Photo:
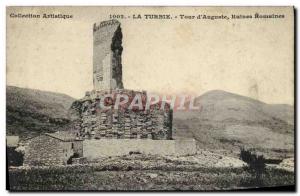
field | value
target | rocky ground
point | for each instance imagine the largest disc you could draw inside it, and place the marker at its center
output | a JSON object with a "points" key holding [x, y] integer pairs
{"points": [[203, 159], [204, 171], [287, 164]]}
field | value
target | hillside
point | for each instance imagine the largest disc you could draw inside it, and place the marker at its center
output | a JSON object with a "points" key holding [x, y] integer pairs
{"points": [[30, 112], [226, 122]]}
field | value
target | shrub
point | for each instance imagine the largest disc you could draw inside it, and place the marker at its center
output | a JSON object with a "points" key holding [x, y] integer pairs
{"points": [[256, 164], [14, 158]]}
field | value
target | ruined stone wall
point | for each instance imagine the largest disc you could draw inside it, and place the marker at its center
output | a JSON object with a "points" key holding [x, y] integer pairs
{"points": [[122, 123], [43, 151]]}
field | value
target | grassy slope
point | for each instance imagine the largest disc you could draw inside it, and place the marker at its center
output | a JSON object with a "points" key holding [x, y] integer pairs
{"points": [[227, 121], [30, 112]]}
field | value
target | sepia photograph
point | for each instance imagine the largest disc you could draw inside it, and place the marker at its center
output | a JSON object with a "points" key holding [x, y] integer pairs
{"points": [[111, 98]]}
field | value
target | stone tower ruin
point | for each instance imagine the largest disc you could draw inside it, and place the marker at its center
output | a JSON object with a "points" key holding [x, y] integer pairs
{"points": [[107, 51], [92, 121]]}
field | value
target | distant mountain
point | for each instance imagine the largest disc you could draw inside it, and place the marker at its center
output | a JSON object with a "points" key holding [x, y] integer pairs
{"points": [[30, 112], [228, 121]]}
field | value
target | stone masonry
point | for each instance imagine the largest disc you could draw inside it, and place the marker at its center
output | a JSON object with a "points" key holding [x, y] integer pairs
{"points": [[94, 122], [52, 149]]}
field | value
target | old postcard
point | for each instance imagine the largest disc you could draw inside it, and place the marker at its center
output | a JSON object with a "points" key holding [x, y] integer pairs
{"points": [[150, 98]]}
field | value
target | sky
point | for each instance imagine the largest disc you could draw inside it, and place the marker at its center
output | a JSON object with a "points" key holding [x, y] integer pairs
{"points": [[250, 57]]}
